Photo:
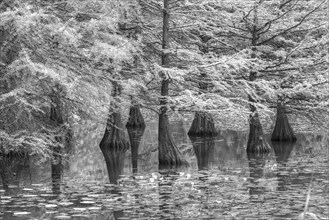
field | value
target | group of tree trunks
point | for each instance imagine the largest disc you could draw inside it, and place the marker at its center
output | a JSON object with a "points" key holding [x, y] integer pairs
{"points": [[202, 125]]}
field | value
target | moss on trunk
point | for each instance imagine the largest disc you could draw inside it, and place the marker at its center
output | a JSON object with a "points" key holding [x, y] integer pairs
{"points": [[135, 137], [136, 119], [202, 125], [256, 140], [204, 150], [282, 130]]}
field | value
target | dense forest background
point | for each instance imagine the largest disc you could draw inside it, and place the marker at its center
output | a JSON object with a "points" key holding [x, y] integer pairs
{"points": [[71, 68]]}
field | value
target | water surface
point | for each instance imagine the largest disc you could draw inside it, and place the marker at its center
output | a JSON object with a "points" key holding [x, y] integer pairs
{"points": [[221, 181]]}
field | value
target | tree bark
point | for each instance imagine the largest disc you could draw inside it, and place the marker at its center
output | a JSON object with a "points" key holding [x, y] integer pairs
{"points": [[136, 119], [168, 152], [256, 140], [202, 125], [56, 115], [282, 131], [114, 142], [203, 122]]}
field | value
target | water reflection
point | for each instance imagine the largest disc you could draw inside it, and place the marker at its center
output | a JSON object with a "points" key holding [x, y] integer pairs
{"points": [[12, 167], [56, 172], [222, 182], [135, 137], [282, 152], [204, 148], [166, 194], [115, 158], [256, 172]]}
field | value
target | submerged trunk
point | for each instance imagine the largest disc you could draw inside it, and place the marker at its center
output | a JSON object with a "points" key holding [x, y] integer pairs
{"points": [[168, 152], [202, 125], [204, 150], [282, 130], [136, 119], [135, 136]]}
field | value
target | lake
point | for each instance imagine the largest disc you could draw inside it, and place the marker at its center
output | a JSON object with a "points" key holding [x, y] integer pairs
{"points": [[220, 182]]}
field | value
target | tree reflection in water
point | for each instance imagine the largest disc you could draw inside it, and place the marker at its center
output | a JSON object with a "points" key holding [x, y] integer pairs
{"points": [[11, 168], [282, 152], [135, 137], [166, 193], [256, 173], [115, 164], [204, 150], [56, 172]]}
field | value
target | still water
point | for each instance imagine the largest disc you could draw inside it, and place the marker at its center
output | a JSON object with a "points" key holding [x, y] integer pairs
{"points": [[221, 181]]}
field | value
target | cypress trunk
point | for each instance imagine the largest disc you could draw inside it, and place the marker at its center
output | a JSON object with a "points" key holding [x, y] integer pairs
{"points": [[202, 125], [136, 119], [56, 116], [204, 150], [256, 140], [114, 145], [114, 142], [56, 173], [282, 130], [168, 152], [135, 136]]}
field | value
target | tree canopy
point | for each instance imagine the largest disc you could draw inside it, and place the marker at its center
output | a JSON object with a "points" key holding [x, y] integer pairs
{"points": [[76, 51]]}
